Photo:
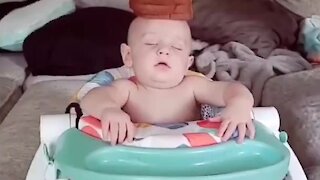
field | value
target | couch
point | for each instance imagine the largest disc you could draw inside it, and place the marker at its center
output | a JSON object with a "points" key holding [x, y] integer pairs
{"points": [[23, 98]]}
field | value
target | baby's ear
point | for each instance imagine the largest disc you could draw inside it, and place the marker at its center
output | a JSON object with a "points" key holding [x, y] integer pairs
{"points": [[126, 55], [190, 61]]}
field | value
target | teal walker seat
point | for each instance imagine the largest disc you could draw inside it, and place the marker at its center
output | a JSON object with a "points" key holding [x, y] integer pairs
{"points": [[81, 157]]}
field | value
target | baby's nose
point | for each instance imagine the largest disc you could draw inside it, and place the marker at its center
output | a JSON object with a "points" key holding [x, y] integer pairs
{"points": [[163, 51]]}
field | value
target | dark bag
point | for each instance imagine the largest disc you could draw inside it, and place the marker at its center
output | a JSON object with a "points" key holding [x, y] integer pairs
{"points": [[84, 42]]}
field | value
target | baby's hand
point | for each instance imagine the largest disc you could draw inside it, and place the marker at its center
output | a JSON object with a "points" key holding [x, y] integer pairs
{"points": [[236, 116], [117, 126]]}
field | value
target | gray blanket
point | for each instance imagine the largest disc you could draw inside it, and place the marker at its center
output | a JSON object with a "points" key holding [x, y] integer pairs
{"points": [[236, 62], [261, 25]]}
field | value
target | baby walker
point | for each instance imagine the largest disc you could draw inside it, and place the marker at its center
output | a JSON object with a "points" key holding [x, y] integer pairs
{"points": [[72, 154]]}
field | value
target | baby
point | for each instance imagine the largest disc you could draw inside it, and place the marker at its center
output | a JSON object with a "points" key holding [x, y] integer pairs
{"points": [[158, 51]]}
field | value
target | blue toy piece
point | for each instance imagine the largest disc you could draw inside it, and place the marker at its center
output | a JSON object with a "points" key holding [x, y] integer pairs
{"points": [[102, 78], [80, 157]]}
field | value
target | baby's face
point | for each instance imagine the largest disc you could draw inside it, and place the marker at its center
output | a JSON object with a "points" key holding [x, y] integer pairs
{"points": [[159, 51]]}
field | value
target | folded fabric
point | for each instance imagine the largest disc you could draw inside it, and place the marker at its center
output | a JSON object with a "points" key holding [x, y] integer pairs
{"points": [[19, 23], [236, 62], [174, 135], [163, 9], [310, 38]]}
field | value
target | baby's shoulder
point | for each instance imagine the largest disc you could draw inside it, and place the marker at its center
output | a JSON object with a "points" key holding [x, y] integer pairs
{"points": [[124, 84], [196, 79], [198, 82]]}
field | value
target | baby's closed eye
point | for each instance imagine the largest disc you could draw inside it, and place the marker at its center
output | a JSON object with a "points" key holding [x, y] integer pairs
{"points": [[177, 48], [151, 43]]}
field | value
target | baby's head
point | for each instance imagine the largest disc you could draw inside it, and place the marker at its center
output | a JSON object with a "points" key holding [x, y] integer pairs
{"points": [[158, 51]]}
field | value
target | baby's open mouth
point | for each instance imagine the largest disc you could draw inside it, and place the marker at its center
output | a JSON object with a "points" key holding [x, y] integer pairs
{"points": [[162, 64]]}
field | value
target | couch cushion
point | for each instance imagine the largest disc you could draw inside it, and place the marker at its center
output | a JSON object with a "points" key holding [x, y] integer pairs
{"points": [[297, 98], [19, 132], [9, 94], [31, 80], [12, 66], [313, 173]]}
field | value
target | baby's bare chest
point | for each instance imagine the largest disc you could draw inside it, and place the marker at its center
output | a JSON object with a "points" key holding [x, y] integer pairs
{"points": [[164, 107]]}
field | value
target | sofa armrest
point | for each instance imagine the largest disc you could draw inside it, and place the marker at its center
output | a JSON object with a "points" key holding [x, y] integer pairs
{"points": [[12, 66], [297, 98]]}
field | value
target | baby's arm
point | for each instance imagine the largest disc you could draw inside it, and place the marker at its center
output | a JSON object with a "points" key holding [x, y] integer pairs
{"points": [[105, 103], [101, 98], [236, 98]]}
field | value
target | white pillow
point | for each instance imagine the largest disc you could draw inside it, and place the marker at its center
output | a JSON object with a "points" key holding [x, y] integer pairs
{"points": [[4, 1], [119, 4], [19, 23]]}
